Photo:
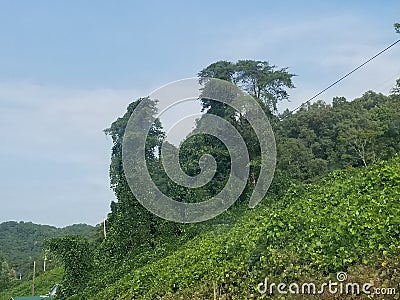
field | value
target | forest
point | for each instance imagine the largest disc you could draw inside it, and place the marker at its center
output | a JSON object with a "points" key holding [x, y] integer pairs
{"points": [[333, 205], [21, 243]]}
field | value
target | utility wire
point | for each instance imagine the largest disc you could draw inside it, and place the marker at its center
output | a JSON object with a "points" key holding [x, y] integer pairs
{"points": [[348, 74]]}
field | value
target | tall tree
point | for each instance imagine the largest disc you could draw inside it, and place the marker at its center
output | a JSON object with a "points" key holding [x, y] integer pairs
{"points": [[131, 227], [264, 82], [76, 254], [261, 80], [222, 69]]}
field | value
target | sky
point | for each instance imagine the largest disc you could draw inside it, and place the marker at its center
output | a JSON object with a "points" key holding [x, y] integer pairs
{"points": [[68, 69]]}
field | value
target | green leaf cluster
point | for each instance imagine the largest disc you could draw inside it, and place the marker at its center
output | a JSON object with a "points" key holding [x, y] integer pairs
{"points": [[348, 218]]}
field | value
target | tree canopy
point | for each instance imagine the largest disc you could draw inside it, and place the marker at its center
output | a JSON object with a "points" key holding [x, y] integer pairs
{"points": [[263, 81], [336, 176]]}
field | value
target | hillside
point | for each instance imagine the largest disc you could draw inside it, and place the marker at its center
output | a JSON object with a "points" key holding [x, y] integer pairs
{"points": [[346, 221], [43, 284], [333, 204], [22, 242]]}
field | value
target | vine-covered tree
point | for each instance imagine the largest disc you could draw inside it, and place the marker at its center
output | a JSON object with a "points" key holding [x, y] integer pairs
{"points": [[76, 255], [318, 138], [266, 83], [131, 227]]}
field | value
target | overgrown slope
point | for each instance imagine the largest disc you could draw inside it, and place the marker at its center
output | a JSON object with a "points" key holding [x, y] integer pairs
{"points": [[43, 284], [348, 219], [22, 242]]}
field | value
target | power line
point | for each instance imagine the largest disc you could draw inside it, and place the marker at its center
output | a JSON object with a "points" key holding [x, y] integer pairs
{"points": [[348, 74]]}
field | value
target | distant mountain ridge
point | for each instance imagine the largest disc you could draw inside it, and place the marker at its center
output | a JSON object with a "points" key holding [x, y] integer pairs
{"points": [[22, 242]]}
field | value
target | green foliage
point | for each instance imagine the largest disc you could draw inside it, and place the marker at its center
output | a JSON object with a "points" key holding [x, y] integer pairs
{"points": [[22, 242], [396, 89], [309, 224], [397, 27], [6, 275], [347, 218], [322, 137], [223, 70], [76, 255], [130, 226], [43, 283], [260, 79]]}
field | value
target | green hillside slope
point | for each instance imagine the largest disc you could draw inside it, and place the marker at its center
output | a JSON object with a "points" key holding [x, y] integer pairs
{"points": [[347, 221], [43, 284], [22, 242]]}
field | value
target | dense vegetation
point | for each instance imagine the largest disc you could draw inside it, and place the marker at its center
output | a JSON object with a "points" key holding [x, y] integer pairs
{"points": [[43, 283], [333, 204], [21, 243], [345, 220], [315, 221]]}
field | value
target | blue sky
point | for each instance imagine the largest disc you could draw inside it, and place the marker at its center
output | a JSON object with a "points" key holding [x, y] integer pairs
{"points": [[69, 68]]}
